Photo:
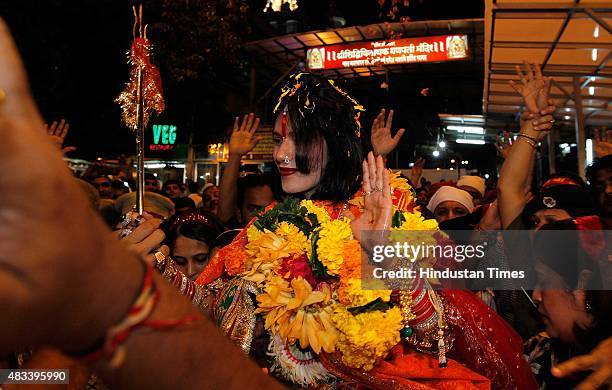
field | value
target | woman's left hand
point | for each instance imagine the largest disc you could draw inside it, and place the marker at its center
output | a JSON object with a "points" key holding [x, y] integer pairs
{"points": [[378, 207]]}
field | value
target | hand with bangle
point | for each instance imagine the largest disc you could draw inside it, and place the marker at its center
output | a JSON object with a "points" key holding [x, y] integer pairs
{"points": [[535, 90]]}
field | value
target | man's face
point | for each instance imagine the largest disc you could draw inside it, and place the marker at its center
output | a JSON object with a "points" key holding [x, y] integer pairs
{"points": [[210, 198], [603, 191], [173, 191], [476, 196], [255, 199], [151, 185], [450, 210], [103, 185]]}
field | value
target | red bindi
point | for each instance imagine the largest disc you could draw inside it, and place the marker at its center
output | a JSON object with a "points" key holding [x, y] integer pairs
{"points": [[284, 125]]}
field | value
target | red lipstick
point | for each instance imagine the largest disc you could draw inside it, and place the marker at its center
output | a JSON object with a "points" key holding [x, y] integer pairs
{"points": [[287, 171]]}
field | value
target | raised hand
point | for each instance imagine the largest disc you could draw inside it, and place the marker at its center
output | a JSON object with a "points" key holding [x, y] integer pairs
{"points": [[602, 142], [533, 87], [58, 132], [417, 171], [599, 361], [504, 145], [242, 140], [378, 206], [526, 116], [382, 141]]}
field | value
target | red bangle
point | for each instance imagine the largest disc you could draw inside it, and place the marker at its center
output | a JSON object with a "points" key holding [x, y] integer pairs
{"points": [[138, 316]]}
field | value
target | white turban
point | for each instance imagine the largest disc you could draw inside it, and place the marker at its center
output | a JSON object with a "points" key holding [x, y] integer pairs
{"points": [[446, 193], [476, 182]]}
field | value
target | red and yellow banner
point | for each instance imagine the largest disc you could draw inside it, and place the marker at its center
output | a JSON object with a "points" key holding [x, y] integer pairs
{"points": [[397, 51]]}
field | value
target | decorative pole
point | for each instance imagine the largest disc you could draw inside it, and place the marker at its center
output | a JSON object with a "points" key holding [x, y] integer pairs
{"points": [[142, 96]]}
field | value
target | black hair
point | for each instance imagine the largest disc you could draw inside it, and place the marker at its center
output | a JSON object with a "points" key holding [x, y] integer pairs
{"points": [[251, 181], [172, 181], [568, 258], [120, 185], [206, 228], [181, 203], [598, 165], [150, 176], [320, 111]]}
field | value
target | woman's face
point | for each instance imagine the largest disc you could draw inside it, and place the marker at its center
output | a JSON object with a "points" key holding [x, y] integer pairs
{"points": [[560, 309], [543, 217], [190, 255], [294, 181], [449, 210]]}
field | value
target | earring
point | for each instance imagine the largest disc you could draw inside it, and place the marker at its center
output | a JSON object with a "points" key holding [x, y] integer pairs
{"points": [[286, 160]]}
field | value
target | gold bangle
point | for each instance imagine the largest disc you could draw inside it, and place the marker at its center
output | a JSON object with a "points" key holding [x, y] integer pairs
{"points": [[529, 139]]}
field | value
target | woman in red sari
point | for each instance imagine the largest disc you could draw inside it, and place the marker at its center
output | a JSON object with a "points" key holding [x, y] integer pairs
{"points": [[453, 340]]}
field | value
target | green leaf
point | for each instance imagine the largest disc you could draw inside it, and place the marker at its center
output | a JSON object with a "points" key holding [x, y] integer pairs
{"points": [[318, 269], [377, 304], [398, 219]]}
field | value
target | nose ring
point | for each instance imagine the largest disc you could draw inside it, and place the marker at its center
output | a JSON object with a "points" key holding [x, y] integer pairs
{"points": [[286, 160]]}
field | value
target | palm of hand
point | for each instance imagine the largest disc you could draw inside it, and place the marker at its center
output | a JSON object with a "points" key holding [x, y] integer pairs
{"points": [[534, 94], [241, 142], [382, 142]]}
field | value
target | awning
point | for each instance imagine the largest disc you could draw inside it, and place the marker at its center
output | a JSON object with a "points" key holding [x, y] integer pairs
{"points": [[281, 54], [572, 41]]}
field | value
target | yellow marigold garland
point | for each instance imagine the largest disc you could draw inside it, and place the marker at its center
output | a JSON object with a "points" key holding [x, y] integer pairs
{"points": [[366, 337], [330, 246], [350, 290]]}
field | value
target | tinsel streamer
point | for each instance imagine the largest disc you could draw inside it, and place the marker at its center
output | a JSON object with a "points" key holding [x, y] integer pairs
{"points": [[153, 99]]}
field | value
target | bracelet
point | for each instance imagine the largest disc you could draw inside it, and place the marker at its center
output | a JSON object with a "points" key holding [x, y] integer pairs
{"points": [[529, 139], [137, 317]]}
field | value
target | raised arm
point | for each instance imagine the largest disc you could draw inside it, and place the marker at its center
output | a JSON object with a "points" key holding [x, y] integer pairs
{"points": [[517, 169], [65, 280], [242, 141]]}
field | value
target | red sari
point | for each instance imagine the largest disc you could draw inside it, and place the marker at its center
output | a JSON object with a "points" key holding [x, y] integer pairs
{"points": [[487, 352]]}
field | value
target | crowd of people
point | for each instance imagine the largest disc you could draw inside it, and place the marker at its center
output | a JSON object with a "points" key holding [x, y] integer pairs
{"points": [[68, 283]]}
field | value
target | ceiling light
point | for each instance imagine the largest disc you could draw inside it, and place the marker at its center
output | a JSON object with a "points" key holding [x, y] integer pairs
{"points": [[436, 153], [442, 144], [594, 55], [591, 90], [466, 129], [470, 141], [596, 31], [567, 117]]}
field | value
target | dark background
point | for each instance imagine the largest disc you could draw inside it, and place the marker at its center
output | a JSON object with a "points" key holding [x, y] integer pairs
{"points": [[75, 54]]}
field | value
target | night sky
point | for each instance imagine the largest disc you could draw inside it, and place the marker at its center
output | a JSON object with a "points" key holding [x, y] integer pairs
{"points": [[75, 53]]}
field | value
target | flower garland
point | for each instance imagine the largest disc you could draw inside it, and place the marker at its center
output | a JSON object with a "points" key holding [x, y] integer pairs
{"points": [[308, 269]]}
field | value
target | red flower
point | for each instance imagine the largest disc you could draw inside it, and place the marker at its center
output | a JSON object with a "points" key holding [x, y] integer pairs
{"points": [[295, 266]]}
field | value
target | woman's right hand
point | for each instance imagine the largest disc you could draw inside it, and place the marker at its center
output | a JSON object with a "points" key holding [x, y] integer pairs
{"points": [[378, 205]]}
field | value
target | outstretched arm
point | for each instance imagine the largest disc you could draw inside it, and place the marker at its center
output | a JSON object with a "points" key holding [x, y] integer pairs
{"points": [[64, 278], [242, 141], [517, 169]]}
